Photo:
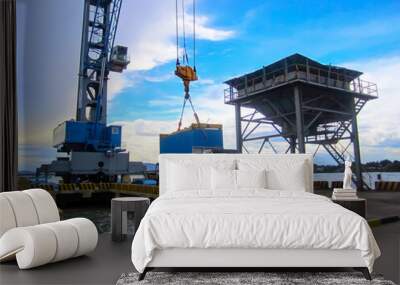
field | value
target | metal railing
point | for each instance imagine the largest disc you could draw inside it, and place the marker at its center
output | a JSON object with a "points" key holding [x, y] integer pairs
{"points": [[248, 86], [364, 87]]}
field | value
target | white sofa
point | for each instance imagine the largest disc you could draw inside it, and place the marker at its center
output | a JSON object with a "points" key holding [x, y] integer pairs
{"points": [[31, 230]]}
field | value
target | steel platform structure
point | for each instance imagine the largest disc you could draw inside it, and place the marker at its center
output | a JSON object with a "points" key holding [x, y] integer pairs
{"points": [[303, 102]]}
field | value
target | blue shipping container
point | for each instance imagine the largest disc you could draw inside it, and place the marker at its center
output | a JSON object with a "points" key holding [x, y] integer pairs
{"points": [[186, 140]]}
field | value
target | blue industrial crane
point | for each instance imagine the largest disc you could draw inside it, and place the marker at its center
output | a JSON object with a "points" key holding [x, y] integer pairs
{"points": [[99, 56], [93, 149]]}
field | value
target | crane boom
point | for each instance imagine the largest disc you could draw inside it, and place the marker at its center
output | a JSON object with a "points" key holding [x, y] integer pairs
{"points": [[98, 58]]}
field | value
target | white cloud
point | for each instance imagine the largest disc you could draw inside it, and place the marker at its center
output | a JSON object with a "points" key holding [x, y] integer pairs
{"points": [[204, 81], [207, 33], [141, 137], [148, 29], [379, 121], [117, 83], [31, 156], [171, 101], [211, 108], [152, 53], [159, 78]]}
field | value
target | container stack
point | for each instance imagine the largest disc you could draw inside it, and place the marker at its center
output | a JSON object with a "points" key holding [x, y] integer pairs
{"points": [[344, 194]]}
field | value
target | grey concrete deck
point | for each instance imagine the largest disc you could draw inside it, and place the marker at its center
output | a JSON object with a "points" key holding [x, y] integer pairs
{"points": [[110, 259]]}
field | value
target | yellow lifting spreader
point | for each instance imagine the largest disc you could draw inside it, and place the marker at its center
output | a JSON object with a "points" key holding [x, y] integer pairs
{"points": [[187, 74]]}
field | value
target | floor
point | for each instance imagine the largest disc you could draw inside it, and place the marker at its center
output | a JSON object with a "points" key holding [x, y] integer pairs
{"points": [[104, 266], [110, 260], [388, 239], [379, 204]]}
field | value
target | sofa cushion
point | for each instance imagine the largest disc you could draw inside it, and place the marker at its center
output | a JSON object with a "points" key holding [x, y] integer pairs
{"points": [[45, 205], [26, 208], [67, 240], [32, 246], [87, 235], [7, 218], [23, 208]]}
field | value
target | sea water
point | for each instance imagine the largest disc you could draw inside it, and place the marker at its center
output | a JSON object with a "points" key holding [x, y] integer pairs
{"points": [[369, 177]]}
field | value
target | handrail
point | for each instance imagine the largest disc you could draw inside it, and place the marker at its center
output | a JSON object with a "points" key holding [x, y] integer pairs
{"points": [[300, 72]]}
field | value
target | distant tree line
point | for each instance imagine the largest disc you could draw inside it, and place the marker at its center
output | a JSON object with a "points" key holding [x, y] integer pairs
{"points": [[373, 166]]}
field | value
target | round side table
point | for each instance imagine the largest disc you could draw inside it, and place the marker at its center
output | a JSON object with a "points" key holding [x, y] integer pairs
{"points": [[119, 214]]}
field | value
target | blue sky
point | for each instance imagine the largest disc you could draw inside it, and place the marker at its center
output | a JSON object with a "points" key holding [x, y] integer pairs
{"points": [[234, 37], [265, 31]]}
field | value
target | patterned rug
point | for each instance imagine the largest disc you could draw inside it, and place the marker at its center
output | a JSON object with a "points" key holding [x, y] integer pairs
{"points": [[243, 278]]}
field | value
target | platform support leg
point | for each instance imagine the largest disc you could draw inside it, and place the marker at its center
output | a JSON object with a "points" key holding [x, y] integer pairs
{"points": [[238, 121], [364, 271], [299, 120], [292, 141]]}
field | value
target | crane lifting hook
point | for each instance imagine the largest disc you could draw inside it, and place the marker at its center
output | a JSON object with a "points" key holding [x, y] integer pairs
{"points": [[187, 74]]}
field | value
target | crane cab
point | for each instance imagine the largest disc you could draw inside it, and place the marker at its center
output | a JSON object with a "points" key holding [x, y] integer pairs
{"points": [[119, 58]]}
